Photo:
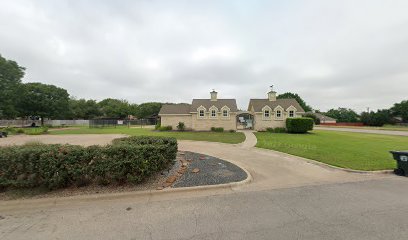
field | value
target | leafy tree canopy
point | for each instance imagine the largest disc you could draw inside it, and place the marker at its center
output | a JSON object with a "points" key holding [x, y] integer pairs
{"points": [[114, 108], [10, 81], [343, 115], [400, 110], [46, 101], [84, 109], [378, 118], [148, 109], [301, 102]]}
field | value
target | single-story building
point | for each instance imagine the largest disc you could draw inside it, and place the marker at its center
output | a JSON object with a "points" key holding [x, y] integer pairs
{"points": [[272, 112], [201, 114]]}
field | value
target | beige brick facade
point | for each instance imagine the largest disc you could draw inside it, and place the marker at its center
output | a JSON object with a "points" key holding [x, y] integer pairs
{"points": [[192, 122], [261, 124], [173, 121], [206, 123]]}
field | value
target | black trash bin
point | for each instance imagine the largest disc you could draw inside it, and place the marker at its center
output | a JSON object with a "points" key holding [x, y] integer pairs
{"points": [[402, 162]]}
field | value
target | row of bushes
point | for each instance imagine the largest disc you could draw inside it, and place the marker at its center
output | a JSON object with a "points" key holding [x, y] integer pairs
{"points": [[56, 166], [28, 131]]}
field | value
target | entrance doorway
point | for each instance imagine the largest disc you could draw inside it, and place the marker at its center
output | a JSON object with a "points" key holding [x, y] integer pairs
{"points": [[245, 120]]}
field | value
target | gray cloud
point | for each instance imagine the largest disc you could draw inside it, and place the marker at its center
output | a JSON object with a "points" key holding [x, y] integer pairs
{"points": [[333, 53]]}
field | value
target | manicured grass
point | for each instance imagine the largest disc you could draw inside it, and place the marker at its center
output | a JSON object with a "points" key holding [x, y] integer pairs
{"points": [[385, 127], [343, 149], [224, 137]]}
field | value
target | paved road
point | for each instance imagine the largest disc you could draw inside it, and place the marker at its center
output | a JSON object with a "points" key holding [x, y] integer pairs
{"points": [[288, 198], [375, 209], [385, 132]]}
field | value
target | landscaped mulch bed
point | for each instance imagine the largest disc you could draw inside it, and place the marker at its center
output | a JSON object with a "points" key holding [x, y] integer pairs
{"points": [[207, 170], [190, 169]]}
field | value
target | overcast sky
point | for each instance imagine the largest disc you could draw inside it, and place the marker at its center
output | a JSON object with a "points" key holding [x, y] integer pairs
{"points": [[332, 53]]}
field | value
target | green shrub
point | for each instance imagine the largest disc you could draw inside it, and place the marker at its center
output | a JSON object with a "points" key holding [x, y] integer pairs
{"points": [[56, 166], [9, 130], [217, 129], [157, 126], [20, 131], [181, 126], [165, 128], [232, 131], [36, 131], [269, 129], [299, 125], [313, 116]]}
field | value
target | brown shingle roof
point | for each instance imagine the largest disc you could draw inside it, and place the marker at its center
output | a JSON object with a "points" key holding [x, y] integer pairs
{"points": [[322, 117], [181, 108], [258, 104], [207, 103]]}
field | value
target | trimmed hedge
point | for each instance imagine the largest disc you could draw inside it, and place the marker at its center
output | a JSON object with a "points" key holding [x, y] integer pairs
{"points": [[56, 166], [217, 129], [299, 125]]}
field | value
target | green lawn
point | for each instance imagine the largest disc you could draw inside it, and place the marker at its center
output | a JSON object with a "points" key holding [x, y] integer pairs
{"points": [[385, 127], [224, 137], [343, 149]]}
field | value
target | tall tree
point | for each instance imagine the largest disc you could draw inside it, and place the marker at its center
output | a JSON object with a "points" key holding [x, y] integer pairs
{"points": [[343, 115], [400, 110], [114, 108], [43, 100], [301, 102], [378, 118], [148, 109], [84, 109], [10, 81]]}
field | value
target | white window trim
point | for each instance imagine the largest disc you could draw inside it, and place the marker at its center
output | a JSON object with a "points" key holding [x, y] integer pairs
{"points": [[201, 108], [264, 109], [279, 108], [228, 112], [291, 108], [211, 109]]}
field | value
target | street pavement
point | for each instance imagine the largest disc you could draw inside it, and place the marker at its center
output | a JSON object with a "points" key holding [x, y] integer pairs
{"points": [[288, 198]]}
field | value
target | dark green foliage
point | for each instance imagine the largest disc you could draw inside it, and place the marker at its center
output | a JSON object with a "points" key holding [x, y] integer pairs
{"points": [[46, 101], [181, 126], [217, 129], [276, 130], [148, 109], [83, 109], [378, 118], [165, 128], [343, 115], [10, 82], [314, 117], [114, 108], [57, 166], [299, 125], [400, 110], [301, 102], [232, 131]]}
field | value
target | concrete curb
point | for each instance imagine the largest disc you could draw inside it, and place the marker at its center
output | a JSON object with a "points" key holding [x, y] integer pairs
{"points": [[325, 165]]}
